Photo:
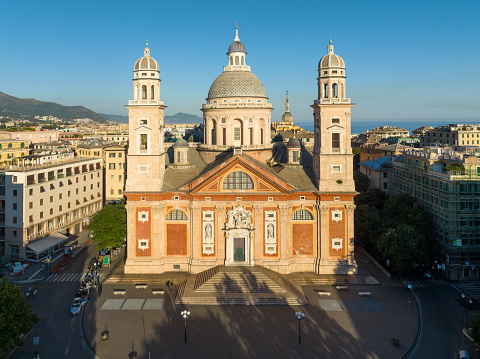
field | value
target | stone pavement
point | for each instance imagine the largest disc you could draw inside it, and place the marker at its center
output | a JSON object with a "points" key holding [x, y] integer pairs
{"points": [[342, 325]]}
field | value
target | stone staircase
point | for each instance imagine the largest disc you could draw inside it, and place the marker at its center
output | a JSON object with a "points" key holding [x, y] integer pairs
{"points": [[240, 286]]}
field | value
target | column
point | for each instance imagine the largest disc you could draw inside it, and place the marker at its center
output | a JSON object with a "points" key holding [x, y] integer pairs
{"points": [[195, 238], [284, 220], [220, 237], [131, 245], [350, 237], [158, 231], [323, 231], [258, 244]]}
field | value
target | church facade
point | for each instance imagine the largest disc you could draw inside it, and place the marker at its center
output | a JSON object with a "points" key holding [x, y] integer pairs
{"points": [[238, 199]]}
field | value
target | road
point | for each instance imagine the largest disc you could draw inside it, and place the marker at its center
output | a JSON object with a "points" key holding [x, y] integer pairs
{"points": [[442, 319], [58, 331]]}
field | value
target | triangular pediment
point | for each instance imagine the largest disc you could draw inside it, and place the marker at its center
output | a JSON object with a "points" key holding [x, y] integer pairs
{"points": [[335, 127], [143, 127], [263, 181]]}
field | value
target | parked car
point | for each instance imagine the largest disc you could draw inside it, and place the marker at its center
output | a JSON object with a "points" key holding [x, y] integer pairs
{"points": [[76, 306]]}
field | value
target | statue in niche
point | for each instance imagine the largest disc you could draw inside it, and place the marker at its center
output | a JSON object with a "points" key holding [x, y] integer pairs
{"points": [[270, 236], [208, 233]]}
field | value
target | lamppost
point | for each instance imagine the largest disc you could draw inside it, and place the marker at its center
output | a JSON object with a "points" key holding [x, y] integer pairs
{"points": [[185, 314], [299, 316]]}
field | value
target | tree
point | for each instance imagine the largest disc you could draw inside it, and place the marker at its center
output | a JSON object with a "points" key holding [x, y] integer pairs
{"points": [[475, 327], [362, 182], [403, 246], [15, 316], [368, 226], [356, 158], [109, 226], [372, 197]]}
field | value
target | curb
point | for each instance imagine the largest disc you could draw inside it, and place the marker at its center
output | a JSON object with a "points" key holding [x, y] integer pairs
{"points": [[85, 339], [419, 330]]}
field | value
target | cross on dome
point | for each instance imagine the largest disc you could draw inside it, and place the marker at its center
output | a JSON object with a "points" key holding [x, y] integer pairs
{"points": [[147, 50], [236, 32]]}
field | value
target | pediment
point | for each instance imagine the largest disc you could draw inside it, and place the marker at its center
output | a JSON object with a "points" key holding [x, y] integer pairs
{"points": [[143, 127], [263, 181], [335, 127]]}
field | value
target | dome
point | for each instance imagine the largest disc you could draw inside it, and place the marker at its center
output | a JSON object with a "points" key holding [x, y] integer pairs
{"points": [[236, 46], [294, 143], [236, 83], [331, 60], [180, 143], [146, 62]]}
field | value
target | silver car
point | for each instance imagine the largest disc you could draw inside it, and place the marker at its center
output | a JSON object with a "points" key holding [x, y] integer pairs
{"points": [[76, 307]]}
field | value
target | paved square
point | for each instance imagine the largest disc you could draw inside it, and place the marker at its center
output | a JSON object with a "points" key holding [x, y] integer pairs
{"points": [[372, 306], [351, 305], [133, 304], [153, 304], [112, 304], [330, 305]]}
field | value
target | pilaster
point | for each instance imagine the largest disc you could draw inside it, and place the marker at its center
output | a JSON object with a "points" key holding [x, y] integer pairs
{"points": [[285, 240], [158, 240], [220, 210], [130, 208], [257, 248]]}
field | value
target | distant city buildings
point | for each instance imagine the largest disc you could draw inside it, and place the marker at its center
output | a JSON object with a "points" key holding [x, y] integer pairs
{"points": [[389, 131], [452, 135]]}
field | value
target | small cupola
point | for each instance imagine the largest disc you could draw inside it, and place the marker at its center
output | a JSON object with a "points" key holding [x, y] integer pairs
{"points": [[180, 152], [294, 149]]}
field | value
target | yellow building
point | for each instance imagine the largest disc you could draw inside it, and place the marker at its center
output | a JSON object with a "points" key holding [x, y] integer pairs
{"points": [[10, 149], [115, 172]]}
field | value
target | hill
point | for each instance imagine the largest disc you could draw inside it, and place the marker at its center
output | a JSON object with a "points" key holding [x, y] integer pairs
{"points": [[178, 118], [14, 106]]}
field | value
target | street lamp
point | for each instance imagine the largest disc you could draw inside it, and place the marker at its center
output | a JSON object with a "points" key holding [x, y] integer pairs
{"points": [[185, 314], [299, 316]]}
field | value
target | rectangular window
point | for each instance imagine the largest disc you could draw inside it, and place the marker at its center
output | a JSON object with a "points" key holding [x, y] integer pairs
{"points": [[143, 142], [236, 134], [14, 206], [51, 198], [112, 178], [30, 205], [336, 168], [111, 166], [119, 178], [14, 193], [14, 219], [335, 120], [15, 232], [30, 192], [119, 191], [111, 155], [41, 202], [51, 210], [111, 191], [336, 140], [142, 168]]}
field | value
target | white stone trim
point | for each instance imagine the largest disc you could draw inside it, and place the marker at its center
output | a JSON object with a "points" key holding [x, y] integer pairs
{"points": [[337, 243], [143, 243], [143, 216], [337, 215]]}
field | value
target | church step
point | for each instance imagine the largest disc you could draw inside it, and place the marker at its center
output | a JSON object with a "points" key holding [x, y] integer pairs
{"points": [[239, 301]]}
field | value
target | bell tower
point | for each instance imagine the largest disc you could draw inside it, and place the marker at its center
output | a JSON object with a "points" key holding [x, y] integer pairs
{"points": [[146, 153], [333, 168], [333, 158]]}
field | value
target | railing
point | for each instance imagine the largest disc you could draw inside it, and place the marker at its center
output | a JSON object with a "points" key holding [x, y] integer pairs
{"points": [[42, 180], [145, 102], [60, 175], [51, 178], [331, 100], [29, 183], [69, 174], [237, 104]]}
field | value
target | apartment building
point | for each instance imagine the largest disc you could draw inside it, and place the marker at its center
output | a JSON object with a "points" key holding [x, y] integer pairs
{"points": [[377, 171], [375, 151], [389, 131], [10, 149], [115, 172], [447, 185], [452, 135], [37, 201]]}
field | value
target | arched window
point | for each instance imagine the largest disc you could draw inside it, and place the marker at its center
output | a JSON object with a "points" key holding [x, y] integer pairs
{"points": [[176, 215], [9, 146], [22, 145], [144, 92], [153, 92], [343, 91], [334, 90], [243, 60], [302, 215], [325, 90], [0, 146], [238, 180], [231, 60], [180, 157], [236, 61]]}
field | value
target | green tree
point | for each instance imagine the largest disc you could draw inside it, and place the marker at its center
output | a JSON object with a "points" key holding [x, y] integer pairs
{"points": [[475, 327], [403, 246], [109, 226], [356, 158], [368, 226], [372, 197], [15, 316], [362, 182]]}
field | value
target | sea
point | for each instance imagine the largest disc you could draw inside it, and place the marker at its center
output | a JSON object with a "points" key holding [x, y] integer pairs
{"points": [[362, 126]]}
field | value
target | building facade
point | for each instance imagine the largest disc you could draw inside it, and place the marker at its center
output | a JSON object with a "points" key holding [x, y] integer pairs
{"points": [[115, 172], [452, 135], [192, 207], [10, 149], [40, 199], [446, 184]]}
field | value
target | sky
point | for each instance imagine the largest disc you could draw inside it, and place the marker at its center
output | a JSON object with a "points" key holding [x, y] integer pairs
{"points": [[405, 60]]}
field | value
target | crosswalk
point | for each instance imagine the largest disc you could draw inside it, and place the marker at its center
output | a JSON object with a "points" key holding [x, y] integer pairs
{"points": [[68, 277], [427, 283], [472, 290]]}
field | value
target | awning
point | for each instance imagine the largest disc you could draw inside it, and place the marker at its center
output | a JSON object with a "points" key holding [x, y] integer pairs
{"points": [[47, 242]]}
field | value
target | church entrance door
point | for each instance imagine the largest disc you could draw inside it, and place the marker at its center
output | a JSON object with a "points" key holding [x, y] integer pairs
{"points": [[239, 249]]}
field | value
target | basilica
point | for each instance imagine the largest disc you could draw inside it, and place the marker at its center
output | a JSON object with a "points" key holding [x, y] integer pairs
{"points": [[239, 199]]}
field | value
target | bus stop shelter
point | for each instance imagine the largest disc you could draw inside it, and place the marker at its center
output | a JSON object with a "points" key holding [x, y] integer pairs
{"points": [[46, 246]]}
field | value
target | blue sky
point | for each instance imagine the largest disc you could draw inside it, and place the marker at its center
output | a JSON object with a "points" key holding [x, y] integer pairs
{"points": [[405, 60]]}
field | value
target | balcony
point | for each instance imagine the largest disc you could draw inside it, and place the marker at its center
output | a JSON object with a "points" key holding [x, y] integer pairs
{"points": [[69, 174], [51, 178], [42, 180], [145, 102], [29, 183], [60, 175]]}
